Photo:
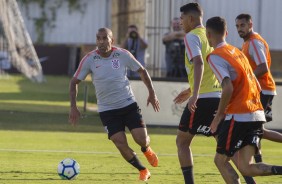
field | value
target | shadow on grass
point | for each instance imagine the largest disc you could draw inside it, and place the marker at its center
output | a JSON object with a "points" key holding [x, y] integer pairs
{"points": [[40, 121], [88, 173], [56, 88], [44, 107]]}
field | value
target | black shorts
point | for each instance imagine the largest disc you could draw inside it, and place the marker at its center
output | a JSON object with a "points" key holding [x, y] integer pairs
{"points": [[234, 135], [199, 122], [116, 120], [266, 101]]}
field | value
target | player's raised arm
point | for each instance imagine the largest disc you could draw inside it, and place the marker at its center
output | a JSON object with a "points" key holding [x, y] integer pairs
{"points": [[152, 98], [74, 112]]}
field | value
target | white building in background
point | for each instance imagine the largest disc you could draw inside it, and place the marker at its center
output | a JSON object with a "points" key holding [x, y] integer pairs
{"points": [[75, 27], [79, 28], [266, 16]]}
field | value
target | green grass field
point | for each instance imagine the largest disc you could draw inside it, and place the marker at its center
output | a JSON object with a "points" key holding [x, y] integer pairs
{"points": [[35, 136]]}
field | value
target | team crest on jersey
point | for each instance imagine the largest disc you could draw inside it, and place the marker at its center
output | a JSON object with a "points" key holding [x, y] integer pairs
{"points": [[115, 64]]}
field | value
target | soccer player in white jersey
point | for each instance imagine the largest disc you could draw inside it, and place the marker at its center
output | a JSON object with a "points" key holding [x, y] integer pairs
{"points": [[117, 106]]}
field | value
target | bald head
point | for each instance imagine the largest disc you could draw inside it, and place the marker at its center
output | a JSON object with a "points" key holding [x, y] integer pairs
{"points": [[104, 41]]}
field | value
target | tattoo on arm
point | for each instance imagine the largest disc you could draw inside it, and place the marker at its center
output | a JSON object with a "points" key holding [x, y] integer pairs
{"points": [[266, 169]]}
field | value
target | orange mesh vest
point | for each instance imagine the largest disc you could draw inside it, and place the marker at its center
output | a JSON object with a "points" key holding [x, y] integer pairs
{"points": [[266, 81], [246, 90]]}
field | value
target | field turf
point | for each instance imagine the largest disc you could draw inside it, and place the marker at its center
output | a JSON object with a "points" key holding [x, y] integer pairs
{"points": [[35, 136]]}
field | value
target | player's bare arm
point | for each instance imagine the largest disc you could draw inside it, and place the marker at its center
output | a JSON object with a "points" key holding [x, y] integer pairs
{"points": [[173, 35], [183, 96], [74, 112], [168, 37], [227, 90], [198, 75], [261, 70], [265, 169], [152, 98]]}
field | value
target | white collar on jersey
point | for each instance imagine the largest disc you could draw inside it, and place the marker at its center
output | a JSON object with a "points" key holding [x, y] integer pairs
{"points": [[221, 44]]}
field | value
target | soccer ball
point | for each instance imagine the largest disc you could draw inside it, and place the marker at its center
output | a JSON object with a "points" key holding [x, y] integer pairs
{"points": [[68, 169]]}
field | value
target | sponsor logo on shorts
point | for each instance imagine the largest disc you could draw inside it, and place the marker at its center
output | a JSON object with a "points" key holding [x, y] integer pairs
{"points": [[255, 140], [115, 64], [106, 129], [239, 143], [203, 129]]}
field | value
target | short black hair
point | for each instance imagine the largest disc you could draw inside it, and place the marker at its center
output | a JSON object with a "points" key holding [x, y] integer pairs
{"points": [[133, 26], [246, 16], [191, 7], [107, 30], [217, 24]]}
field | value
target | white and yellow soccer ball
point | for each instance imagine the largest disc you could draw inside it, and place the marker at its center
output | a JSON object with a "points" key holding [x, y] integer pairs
{"points": [[68, 169]]}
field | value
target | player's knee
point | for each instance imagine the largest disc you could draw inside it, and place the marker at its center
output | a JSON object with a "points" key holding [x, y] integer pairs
{"points": [[181, 142], [148, 140], [178, 141], [143, 142], [120, 144], [218, 161], [245, 170]]}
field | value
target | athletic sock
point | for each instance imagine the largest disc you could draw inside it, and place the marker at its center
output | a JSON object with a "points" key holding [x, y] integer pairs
{"points": [[144, 149], [136, 163], [249, 180], [258, 158], [276, 170], [188, 174]]}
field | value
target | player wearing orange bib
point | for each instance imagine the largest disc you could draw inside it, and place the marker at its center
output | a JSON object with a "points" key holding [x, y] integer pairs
{"points": [[239, 106], [257, 51]]}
